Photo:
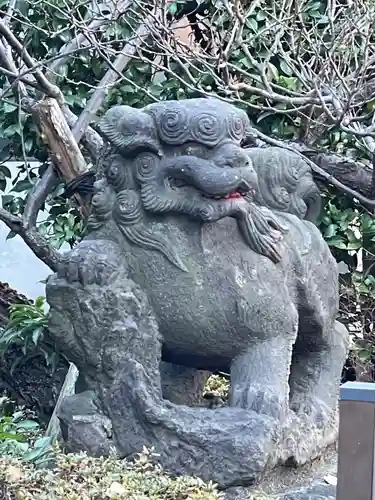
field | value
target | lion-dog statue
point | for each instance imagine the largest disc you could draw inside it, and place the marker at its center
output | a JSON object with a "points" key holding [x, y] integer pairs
{"points": [[199, 256]]}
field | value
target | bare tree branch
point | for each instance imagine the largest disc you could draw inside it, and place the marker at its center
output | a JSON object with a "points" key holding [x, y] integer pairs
{"points": [[64, 149], [48, 88], [8, 16], [37, 197], [122, 60], [33, 239], [92, 141], [117, 9]]}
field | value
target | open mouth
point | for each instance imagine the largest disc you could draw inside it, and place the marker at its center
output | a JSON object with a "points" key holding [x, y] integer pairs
{"points": [[234, 195], [179, 184]]}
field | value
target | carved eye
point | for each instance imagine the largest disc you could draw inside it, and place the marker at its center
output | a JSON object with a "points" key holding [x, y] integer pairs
{"points": [[117, 175], [112, 172]]}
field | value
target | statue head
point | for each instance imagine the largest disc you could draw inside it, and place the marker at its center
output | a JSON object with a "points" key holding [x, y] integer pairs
{"points": [[181, 159]]}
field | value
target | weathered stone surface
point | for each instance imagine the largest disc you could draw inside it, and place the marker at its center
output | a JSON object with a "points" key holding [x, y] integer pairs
{"points": [[82, 423], [201, 256], [315, 491]]}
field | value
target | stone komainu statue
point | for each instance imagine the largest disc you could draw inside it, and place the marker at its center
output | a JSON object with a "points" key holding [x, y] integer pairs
{"points": [[200, 256]]}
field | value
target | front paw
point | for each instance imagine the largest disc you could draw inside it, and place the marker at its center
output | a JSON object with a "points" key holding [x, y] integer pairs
{"points": [[91, 263]]}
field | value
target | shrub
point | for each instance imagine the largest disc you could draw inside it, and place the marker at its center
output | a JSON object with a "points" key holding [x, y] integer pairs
{"points": [[27, 328], [21, 436], [219, 385], [79, 477]]}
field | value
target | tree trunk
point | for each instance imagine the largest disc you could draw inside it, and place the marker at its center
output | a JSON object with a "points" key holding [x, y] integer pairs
{"points": [[65, 152]]}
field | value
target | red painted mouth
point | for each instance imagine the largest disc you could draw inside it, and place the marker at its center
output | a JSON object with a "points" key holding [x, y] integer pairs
{"points": [[234, 195]]}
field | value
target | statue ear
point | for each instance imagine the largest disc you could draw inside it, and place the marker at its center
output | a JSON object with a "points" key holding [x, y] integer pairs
{"points": [[130, 130]]}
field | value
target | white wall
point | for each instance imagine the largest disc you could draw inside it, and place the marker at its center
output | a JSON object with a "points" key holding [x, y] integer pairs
{"points": [[18, 265]]}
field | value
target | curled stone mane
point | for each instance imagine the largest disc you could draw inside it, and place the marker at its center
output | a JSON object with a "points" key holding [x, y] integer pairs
{"points": [[178, 123], [258, 225], [122, 204]]}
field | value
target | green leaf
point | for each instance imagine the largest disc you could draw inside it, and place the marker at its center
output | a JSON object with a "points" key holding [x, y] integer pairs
{"points": [[37, 334], [285, 68], [33, 454], [17, 362], [22, 186], [12, 436], [289, 83], [5, 170], [245, 62], [8, 335], [364, 354], [352, 237], [43, 443], [41, 447], [337, 243], [12, 130], [9, 108], [273, 71], [264, 115], [354, 245], [28, 144], [330, 231], [28, 425], [172, 9], [10, 235], [261, 16], [252, 24], [40, 301]]}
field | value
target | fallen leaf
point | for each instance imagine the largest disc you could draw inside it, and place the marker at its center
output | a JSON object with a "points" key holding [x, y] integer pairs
{"points": [[13, 474], [332, 480], [115, 490]]}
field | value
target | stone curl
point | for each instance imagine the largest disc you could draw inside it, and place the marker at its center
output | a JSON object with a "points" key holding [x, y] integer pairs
{"points": [[178, 122]]}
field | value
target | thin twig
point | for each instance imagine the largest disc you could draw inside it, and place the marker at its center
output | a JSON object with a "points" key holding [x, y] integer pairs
{"points": [[119, 65], [48, 88], [83, 38], [37, 197], [34, 240]]}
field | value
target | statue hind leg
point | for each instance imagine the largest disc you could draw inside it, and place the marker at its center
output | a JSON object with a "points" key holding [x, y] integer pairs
{"points": [[259, 375], [321, 347], [318, 358]]}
